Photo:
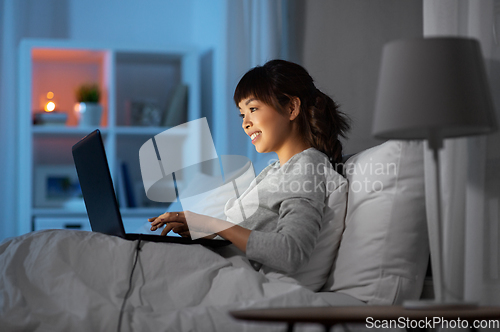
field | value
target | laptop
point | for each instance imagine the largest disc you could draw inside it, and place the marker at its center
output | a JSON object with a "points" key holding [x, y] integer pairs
{"points": [[100, 198]]}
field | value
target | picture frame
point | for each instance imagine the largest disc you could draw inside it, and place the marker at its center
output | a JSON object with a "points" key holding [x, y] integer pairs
{"points": [[56, 186], [144, 112]]}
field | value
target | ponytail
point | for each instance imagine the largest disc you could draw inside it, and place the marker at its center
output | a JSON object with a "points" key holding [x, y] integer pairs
{"points": [[322, 125]]}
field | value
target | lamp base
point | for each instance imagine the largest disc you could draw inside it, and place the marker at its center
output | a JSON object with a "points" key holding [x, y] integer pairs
{"points": [[434, 305]]}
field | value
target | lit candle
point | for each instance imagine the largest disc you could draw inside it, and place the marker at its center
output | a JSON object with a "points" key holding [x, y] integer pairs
{"points": [[50, 105]]}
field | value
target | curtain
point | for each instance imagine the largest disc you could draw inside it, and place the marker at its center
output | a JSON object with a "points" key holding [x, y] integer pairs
{"points": [[470, 176], [9, 34], [256, 34]]}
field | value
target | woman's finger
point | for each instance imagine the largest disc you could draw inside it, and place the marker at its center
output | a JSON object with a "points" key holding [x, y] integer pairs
{"points": [[179, 228], [173, 226], [155, 226], [167, 217], [167, 229], [157, 223]]}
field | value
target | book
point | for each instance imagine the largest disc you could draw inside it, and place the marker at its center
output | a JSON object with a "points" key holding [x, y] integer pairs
{"points": [[176, 113], [129, 188], [120, 186]]}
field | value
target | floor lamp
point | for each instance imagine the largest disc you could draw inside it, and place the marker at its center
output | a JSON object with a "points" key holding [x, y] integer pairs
{"points": [[432, 89]]}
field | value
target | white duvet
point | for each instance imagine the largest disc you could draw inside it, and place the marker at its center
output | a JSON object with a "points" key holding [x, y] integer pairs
{"points": [[61, 280]]}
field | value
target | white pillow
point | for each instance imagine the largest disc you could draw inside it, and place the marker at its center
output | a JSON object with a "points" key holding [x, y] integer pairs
{"points": [[383, 254]]}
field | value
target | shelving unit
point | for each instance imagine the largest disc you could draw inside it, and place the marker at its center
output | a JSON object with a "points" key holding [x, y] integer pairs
{"points": [[123, 73]]}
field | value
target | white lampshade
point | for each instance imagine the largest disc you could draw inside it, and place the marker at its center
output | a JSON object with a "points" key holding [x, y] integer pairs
{"points": [[433, 86]]}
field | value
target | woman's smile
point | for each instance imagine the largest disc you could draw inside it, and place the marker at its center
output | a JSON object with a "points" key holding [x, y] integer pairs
{"points": [[255, 136]]}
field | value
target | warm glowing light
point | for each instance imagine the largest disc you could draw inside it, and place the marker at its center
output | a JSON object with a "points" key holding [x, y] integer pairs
{"points": [[50, 95], [50, 106]]}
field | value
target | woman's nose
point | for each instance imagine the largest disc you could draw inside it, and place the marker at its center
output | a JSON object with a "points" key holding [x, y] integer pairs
{"points": [[246, 123]]}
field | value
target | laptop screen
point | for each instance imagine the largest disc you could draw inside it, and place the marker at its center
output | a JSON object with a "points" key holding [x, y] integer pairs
{"points": [[97, 186]]}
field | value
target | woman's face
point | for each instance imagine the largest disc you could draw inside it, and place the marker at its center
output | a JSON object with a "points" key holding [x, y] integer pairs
{"points": [[269, 130]]}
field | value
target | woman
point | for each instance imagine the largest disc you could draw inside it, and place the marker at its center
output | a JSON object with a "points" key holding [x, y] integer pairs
{"points": [[283, 112]]}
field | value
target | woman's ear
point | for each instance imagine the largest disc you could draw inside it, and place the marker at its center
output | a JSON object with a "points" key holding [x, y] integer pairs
{"points": [[294, 107]]}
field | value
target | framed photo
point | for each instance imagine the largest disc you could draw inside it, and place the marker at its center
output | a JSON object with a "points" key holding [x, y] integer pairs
{"points": [[56, 186], [144, 112]]}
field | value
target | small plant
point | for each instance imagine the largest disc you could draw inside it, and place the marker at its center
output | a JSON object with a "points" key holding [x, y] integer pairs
{"points": [[88, 93]]}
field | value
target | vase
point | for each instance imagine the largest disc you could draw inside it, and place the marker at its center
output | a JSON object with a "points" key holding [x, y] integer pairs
{"points": [[90, 114]]}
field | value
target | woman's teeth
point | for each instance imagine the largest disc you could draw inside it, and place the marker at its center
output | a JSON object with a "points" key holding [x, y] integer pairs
{"points": [[255, 135]]}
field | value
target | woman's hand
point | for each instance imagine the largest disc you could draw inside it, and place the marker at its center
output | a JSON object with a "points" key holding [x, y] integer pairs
{"points": [[201, 226], [186, 224], [173, 221]]}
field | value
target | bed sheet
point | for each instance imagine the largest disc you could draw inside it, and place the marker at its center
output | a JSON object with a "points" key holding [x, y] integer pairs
{"points": [[61, 280]]}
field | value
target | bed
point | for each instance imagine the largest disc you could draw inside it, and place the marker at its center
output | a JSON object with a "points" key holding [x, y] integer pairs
{"points": [[60, 280]]}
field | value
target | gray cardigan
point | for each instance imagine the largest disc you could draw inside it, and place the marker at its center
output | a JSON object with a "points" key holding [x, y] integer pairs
{"points": [[288, 215]]}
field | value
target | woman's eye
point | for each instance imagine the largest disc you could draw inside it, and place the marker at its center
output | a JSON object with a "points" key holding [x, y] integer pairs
{"points": [[253, 109], [242, 116]]}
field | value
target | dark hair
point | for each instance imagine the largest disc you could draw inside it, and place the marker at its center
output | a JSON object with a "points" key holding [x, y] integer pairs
{"points": [[320, 121]]}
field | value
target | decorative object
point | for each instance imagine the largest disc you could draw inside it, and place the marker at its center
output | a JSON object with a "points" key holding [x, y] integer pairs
{"points": [[56, 185], [88, 96], [49, 115], [431, 89], [48, 102], [144, 112]]}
